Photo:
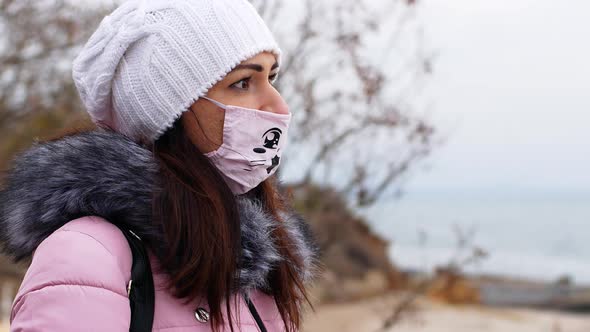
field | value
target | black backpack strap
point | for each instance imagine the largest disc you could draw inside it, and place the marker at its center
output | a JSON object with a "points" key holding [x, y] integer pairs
{"points": [[254, 313], [141, 286]]}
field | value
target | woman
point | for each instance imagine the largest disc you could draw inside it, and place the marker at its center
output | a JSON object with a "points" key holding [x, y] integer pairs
{"points": [[190, 132]]}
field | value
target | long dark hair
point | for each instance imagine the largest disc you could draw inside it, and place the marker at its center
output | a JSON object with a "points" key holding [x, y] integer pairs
{"points": [[198, 214]]}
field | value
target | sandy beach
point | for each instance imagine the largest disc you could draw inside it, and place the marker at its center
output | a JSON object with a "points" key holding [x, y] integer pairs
{"points": [[429, 316]]}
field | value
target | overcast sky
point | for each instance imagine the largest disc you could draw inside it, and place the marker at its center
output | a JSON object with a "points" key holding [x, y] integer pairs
{"points": [[510, 89]]}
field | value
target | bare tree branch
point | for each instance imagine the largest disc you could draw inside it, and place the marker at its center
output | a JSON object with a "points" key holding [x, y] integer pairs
{"points": [[465, 246], [339, 95]]}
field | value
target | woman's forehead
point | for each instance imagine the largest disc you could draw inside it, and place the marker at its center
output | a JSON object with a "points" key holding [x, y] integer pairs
{"points": [[259, 63]]}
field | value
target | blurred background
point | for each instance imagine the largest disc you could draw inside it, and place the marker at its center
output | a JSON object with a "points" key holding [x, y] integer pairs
{"points": [[439, 151]]}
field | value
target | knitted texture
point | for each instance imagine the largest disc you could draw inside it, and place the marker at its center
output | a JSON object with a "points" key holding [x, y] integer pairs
{"points": [[149, 60]]}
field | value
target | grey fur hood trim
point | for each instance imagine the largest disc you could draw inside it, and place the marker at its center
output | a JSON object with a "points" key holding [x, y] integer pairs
{"points": [[106, 174]]}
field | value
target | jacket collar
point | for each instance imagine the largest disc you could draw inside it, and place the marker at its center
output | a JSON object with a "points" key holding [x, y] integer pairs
{"points": [[105, 174]]}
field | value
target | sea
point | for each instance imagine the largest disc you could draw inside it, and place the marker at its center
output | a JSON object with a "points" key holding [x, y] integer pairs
{"points": [[541, 236]]}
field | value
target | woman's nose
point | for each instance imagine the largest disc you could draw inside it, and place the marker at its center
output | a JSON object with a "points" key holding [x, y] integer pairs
{"points": [[280, 108], [276, 104]]}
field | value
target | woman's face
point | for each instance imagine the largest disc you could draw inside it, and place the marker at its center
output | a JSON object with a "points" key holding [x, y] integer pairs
{"points": [[248, 85]]}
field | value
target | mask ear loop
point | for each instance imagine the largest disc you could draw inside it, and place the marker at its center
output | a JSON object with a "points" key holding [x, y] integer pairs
{"points": [[215, 102], [224, 107]]}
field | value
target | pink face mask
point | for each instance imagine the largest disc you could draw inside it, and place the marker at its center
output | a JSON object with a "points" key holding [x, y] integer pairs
{"points": [[253, 142]]}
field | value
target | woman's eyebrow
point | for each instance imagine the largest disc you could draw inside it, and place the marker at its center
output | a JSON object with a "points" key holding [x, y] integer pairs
{"points": [[253, 66]]}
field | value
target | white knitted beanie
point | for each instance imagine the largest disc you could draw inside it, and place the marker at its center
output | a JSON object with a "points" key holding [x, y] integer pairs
{"points": [[149, 60]]}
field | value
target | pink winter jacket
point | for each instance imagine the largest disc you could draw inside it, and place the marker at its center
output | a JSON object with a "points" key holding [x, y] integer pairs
{"points": [[55, 211], [84, 287]]}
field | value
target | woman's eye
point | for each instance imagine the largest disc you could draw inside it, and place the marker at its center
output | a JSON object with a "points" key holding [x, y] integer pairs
{"points": [[242, 84], [273, 78]]}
